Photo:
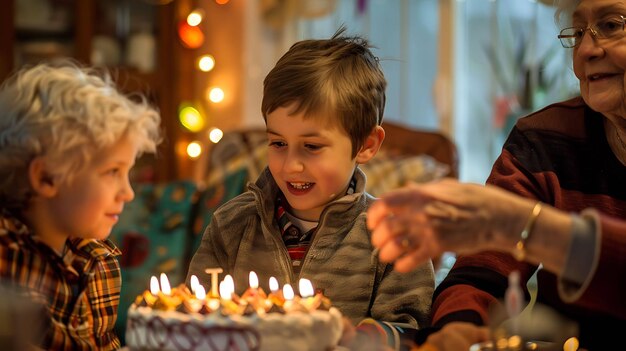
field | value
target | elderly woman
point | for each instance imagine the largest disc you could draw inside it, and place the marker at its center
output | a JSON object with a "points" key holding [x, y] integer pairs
{"points": [[568, 163]]}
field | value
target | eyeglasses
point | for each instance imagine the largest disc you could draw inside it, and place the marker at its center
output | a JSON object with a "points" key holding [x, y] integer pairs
{"points": [[609, 28]]}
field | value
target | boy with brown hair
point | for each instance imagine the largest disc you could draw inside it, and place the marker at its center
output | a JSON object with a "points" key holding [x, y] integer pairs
{"points": [[68, 140], [304, 217]]}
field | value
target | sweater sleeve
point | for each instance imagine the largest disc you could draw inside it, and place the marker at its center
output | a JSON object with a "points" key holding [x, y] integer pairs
{"points": [[379, 335], [401, 306], [609, 263], [404, 297], [474, 286]]}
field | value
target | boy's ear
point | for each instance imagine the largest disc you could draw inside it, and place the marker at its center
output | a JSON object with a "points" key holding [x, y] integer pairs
{"points": [[41, 181], [371, 145]]}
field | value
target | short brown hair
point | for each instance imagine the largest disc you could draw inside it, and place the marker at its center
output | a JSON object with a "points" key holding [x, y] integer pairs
{"points": [[337, 77]]}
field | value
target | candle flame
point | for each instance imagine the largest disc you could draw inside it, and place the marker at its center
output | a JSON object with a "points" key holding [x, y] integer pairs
{"points": [[273, 284], [254, 280], [231, 283], [227, 287], [165, 284], [154, 285], [224, 291], [306, 288], [200, 293], [288, 292], [194, 282]]}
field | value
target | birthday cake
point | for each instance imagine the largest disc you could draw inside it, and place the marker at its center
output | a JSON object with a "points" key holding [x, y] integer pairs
{"points": [[179, 320]]}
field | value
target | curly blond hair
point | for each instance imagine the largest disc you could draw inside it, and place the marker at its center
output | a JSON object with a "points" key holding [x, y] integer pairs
{"points": [[64, 113]]}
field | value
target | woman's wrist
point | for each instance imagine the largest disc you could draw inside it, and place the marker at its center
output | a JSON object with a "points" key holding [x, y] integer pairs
{"points": [[519, 251], [511, 222]]}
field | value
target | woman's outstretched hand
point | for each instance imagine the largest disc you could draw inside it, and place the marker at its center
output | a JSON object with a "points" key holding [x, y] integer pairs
{"points": [[421, 221]]}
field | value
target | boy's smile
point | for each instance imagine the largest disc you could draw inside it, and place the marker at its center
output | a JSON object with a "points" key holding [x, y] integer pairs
{"points": [[300, 188], [310, 160]]}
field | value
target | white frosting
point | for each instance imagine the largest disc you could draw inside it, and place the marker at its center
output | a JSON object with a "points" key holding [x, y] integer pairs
{"points": [[175, 331]]}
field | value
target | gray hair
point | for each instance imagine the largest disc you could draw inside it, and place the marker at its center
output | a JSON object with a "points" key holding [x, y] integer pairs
{"points": [[64, 113], [564, 11]]}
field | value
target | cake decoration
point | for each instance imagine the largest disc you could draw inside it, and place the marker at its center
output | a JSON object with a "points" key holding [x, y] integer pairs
{"points": [[182, 318]]}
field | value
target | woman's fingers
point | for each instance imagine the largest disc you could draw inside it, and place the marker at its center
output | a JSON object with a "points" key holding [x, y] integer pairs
{"points": [[376, 214], [399, 203], [389, 228], [421, 252], [411, 260], [409, 250]]}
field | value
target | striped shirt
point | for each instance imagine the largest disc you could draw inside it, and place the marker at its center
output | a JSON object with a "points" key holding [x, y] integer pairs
{"points": [[298, 239], [80, 290], [560, 156]]}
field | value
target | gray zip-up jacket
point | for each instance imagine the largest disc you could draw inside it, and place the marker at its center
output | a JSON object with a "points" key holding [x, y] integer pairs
{"points": [[243, 236]]}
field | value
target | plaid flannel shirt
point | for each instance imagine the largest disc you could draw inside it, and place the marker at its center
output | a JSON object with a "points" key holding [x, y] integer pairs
{"points": [[80, 290]]}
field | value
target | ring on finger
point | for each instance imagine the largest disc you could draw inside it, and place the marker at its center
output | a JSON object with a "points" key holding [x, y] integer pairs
{"points": [[406, 243]]}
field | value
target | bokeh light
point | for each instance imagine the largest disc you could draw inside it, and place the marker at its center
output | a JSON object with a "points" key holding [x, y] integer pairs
{"points": [[194, 149], [215, 135], [195, 17], [191, 37], [191, 118], [206, 63], [216, 95]]}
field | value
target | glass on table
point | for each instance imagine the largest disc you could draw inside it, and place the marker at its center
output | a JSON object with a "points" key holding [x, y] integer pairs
{"points": [[538, 327]]}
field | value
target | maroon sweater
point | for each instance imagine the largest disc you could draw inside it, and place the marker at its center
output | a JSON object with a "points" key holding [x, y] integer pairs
{"points": [[558, 155]]}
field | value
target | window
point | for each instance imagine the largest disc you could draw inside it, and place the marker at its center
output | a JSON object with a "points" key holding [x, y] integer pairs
{"points": [[507, 63]]}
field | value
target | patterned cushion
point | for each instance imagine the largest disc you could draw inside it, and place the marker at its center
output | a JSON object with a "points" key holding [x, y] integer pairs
{"points": [[385, 172], [153, 234], [219, 190], [238, 150]]}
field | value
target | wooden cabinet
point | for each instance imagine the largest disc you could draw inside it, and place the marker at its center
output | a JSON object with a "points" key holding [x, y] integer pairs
{"points": [[135, 39]]}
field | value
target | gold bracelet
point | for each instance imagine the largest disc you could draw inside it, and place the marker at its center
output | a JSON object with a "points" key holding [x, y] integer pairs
{"points": [[520, 247]]}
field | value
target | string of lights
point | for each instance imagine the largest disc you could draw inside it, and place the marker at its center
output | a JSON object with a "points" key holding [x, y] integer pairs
{"points": [[191, 115]]}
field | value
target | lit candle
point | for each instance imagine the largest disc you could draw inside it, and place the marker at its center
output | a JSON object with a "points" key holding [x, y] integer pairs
{"points": [[254, 280], [154, 285], [306, 291], [165, 300], [148, 298], [214, 272], [253, 291], [196, 304], [274, 297], [254, 295], [194, 283], [288, 295], [306, 288], [165, 285], [273, 284], [227, 287], [288, 292], [200, 292]]}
